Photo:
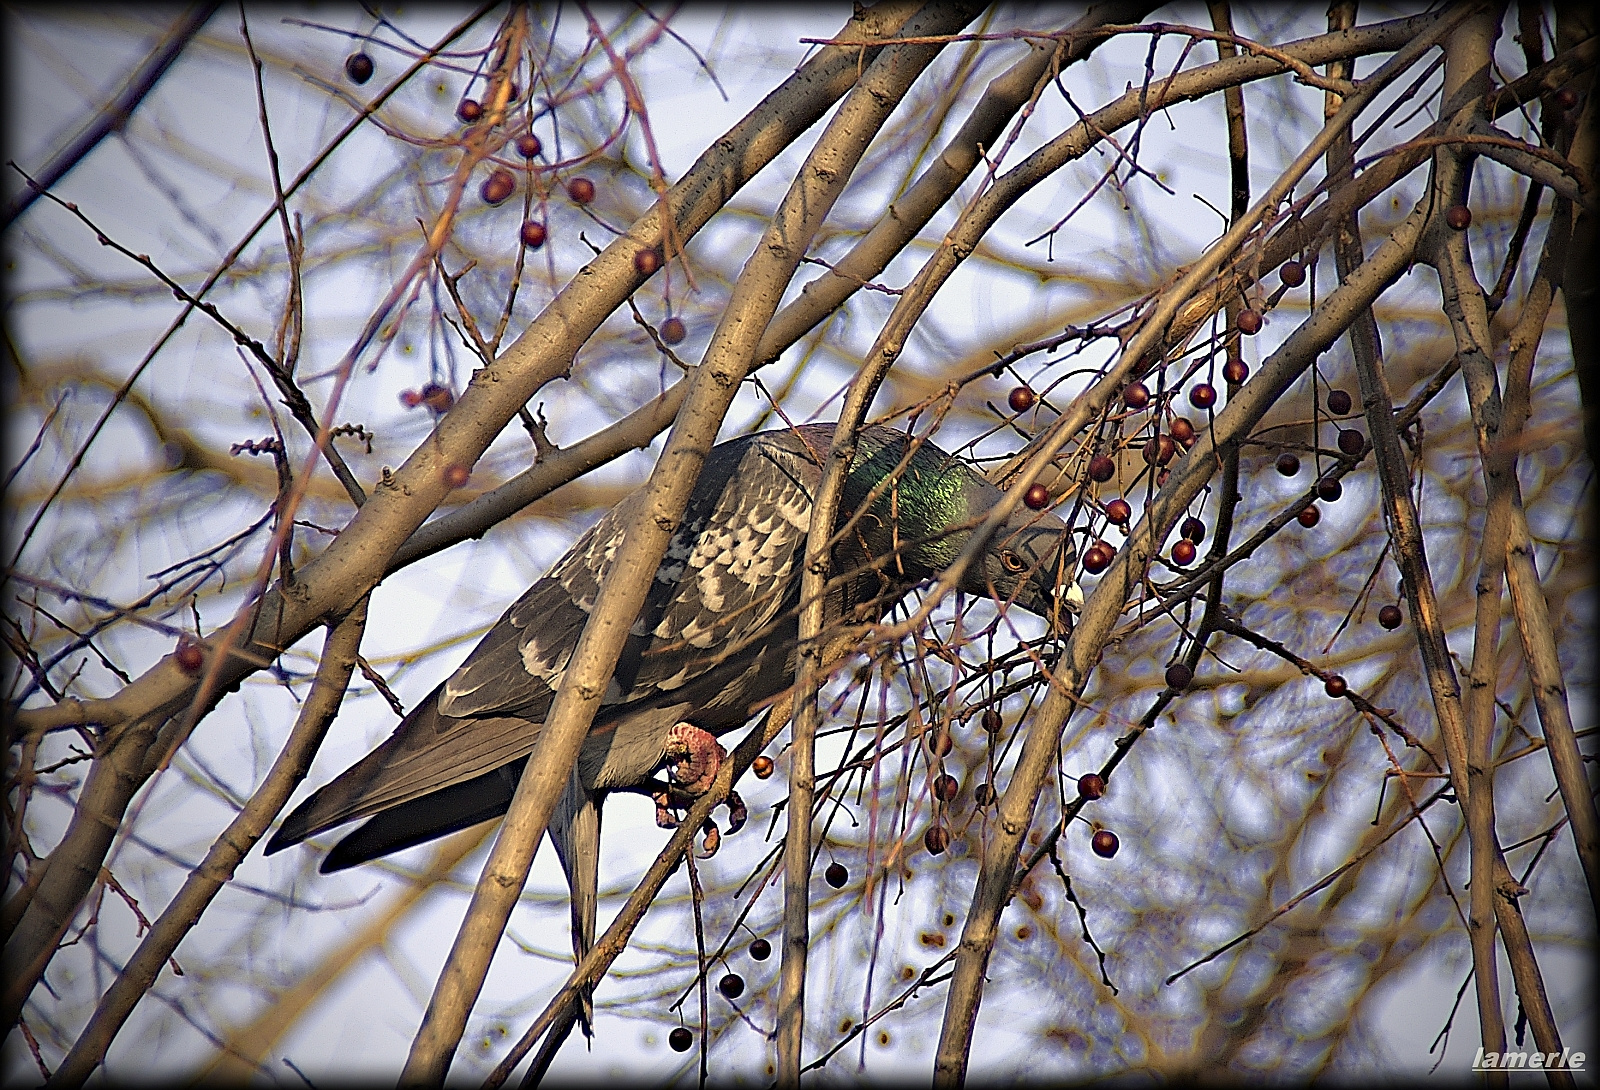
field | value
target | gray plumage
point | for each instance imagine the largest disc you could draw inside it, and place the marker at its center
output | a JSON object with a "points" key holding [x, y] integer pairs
{"points": [[716, 638]]}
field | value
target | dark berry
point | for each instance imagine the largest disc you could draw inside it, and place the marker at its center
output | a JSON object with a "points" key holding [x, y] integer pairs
{"points": [[1292, 273], [1193, 529], [1102, 468], [1390, 617], [1329, 489], [437, 397], [1236, 370], [1288, 464], [760, 949], [469, 110], [1104, 843], [1021, 399], [1335, 686], [1037, 496], [581, 190], [647, 262], [936, 840], [456, 475], [1178, 676], [940, 743], [1096, 560], [680, 1039], [1091, 785], [984, 794], [1182, 431], [1159, 451], [731, 985], [534, 234], [1459, 217], [1119, 512], [946, 787], [836, 876], [1566, 98], [358, 66], [762, 767], [1249, 322], [673, 331], [1339, 402], [1183, 552], [498, 186], [1351, 441], [1309, 516], [992, 721], [1136, 396], [410, 398], [1202, 395], [529, 145], [189, 656]]}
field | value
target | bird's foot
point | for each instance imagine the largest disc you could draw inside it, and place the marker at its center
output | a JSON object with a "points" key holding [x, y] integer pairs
{"points": [[695, 755], [670, 797]]}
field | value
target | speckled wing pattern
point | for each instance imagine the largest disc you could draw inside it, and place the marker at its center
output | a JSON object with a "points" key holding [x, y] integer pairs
{"points": [[727, 575]]}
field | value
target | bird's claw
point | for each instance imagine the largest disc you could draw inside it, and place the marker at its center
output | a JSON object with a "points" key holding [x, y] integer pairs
{"points": [[695, 755], [738, 813], [713, 839]]}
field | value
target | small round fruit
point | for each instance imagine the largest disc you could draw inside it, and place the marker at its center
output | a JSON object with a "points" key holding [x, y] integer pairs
{"points": [[529, 145], [1091, 785], [1390, 617], [1037, 497], [358, 66], [646, 262], [456, 475], [1339, 402], [1119, 512], [1102, 468], [498, 186], [1292, 273], [189, 656], [936, 840], [1329, 489], [1159, 451], [992, 721], [1193, 529], [939, 743], [1096, 560], [1459, 217], [1183, 552], [1202, 395], [760, 949], [836, 876], [1021, 399], [581, 190], [534, 234], [673, 331], [1249, 322], [1235, 370], [1335, 686], [762, 767], [1351, 441], [1566, 98], [984, 794], [1136, 396], [1178, 676], [410, 398], [1104, 843], [731, 985], [946, 787], [680, 1039], [1182, 431], [437, 397], [469, 110], [1288, 464], [1309, 516]]}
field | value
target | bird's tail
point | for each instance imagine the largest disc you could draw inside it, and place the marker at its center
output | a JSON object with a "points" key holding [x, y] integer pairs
{"points": [[575, 831]]}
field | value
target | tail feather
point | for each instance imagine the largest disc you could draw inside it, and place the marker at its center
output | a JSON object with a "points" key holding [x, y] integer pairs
{"points": [[421, 820], [575, 831]]}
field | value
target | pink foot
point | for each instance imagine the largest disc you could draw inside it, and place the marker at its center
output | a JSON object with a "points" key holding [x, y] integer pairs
{"points": [[696, 757]]}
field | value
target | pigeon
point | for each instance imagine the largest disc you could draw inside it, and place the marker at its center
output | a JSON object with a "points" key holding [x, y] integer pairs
{"points": [[715, 641]]}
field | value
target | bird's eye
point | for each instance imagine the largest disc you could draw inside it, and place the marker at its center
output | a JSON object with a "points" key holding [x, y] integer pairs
{"points": [[1011, 560]]}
